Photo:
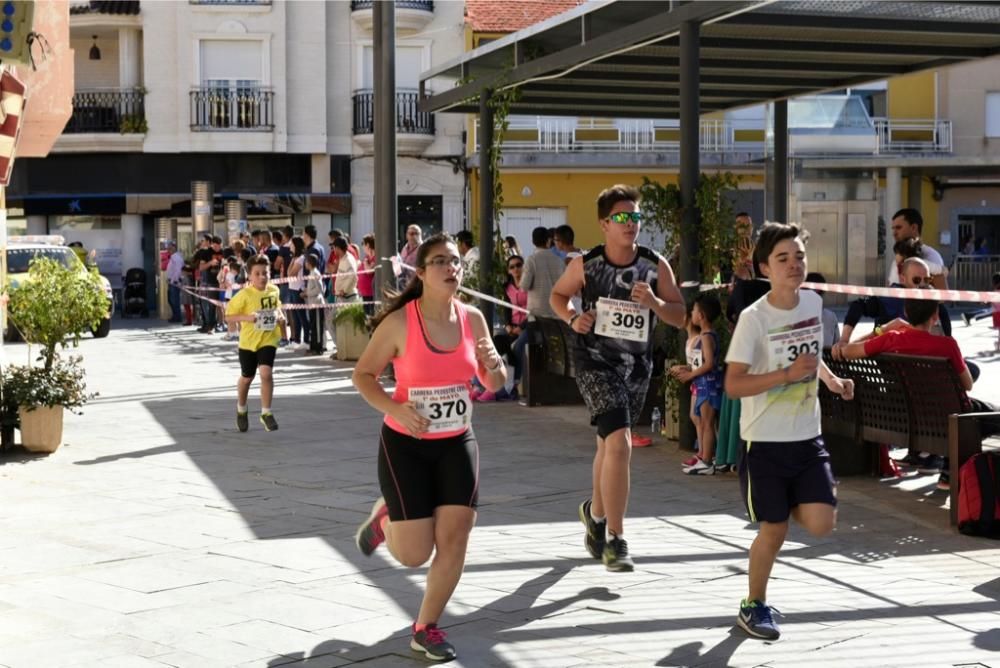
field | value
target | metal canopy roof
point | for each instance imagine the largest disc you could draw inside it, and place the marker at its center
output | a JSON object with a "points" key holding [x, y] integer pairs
{"points": [[621, 58]]}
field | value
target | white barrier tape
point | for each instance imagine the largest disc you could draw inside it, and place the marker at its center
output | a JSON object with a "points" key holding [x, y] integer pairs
{"points": [[286, 307], [289, 279], [474, 293], [864, 291], [909, 293]]}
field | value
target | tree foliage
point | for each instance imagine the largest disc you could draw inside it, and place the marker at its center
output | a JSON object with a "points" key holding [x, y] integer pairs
{"points": [[55, 305]]}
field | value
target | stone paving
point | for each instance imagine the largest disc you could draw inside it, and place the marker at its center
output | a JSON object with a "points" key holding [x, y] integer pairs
{"points": [[160, 536]]}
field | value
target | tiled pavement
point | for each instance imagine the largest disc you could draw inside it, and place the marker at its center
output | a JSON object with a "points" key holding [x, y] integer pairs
{"points": [[159, 536]]}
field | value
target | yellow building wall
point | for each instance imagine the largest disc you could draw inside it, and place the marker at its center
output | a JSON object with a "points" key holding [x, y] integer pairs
{"points": [[574, 191], [912, 96]]}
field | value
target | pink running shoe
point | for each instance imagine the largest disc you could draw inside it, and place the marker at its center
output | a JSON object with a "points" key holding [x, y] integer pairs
{"points": [[369, 535]]}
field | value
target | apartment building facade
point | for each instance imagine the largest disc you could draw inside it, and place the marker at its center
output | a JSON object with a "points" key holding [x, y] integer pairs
{"points": [[269, 101]]}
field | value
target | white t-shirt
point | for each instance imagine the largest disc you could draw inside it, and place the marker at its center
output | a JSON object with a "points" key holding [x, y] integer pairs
{"points": [[930, 256], [768, 338]]}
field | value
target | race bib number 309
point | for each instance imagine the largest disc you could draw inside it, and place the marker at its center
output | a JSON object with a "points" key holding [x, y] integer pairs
{"points": [[448, 408], [621, 319]]}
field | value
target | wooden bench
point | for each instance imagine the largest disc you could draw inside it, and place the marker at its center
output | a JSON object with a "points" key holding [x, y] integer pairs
{"points": [[903, 400]]}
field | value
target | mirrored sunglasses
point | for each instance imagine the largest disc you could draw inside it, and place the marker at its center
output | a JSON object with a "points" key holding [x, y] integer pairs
{"points": [[623, 217]]}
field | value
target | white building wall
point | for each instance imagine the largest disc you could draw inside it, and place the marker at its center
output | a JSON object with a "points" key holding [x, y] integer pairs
{"points": [[90, 74], [306, 72], [340, 81], [440, 40]]}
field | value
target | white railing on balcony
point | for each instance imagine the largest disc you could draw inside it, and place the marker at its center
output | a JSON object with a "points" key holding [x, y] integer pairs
{"points": [[564, 135], [921, 135]]}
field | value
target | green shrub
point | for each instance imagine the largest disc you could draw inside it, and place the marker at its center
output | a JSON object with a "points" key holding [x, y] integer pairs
{"points": [[33, 386], [55, 305]]}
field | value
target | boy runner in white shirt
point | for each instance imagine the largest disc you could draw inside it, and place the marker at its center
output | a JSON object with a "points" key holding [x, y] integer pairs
{"points": [[773, 360]]}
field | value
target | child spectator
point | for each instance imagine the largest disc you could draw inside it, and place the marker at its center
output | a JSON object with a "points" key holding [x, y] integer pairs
{"points": [[313, 296], [227, 281], [704, 373]]}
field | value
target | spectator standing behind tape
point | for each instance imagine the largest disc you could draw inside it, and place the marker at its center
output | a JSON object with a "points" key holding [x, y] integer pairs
{"points": [[345, 284], [408, 255], [175, 267], [296, 285], [366, 279], [541, 271], [313, 292], [909, 224]]}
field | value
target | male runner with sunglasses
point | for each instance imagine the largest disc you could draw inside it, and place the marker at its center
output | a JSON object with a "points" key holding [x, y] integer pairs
{"points": [[623, 285]]}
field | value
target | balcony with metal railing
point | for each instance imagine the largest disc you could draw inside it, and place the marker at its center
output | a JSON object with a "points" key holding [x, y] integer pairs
{"points": [[108, 110], [232, 109], [721, 141], [579, 136], [913, 136], [105, 119], [411, 15], [414, 128]]}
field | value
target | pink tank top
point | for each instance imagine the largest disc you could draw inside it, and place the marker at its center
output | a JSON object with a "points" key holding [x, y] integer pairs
{"points": [[427, 365]]}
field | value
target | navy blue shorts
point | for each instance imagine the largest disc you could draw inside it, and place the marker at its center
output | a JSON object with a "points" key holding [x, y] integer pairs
{"points": [[777, 476]]}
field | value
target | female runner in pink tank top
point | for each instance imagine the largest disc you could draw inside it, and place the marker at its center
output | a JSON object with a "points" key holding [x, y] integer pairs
{"points": [[428, 460]]}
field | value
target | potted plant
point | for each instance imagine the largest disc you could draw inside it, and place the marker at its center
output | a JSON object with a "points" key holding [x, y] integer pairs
{"points": [[39, 396], [53, 307], [352, 331]]}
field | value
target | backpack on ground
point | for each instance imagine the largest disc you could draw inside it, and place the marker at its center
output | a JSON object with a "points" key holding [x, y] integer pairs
{"points": [[979, 496]]}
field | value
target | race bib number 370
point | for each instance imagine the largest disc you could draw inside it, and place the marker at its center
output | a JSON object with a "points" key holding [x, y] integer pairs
{"points": [[621, 319], [448, 408]]}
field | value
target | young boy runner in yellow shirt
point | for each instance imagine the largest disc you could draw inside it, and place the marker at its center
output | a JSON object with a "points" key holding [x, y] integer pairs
{"points": [[773, 362], [259, 306]]}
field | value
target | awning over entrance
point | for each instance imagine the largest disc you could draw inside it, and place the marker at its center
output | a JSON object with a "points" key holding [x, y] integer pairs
{"points": [[622, 58]]}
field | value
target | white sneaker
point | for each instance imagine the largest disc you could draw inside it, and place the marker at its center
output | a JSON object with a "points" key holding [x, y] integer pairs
{"points": [[700, 468]]}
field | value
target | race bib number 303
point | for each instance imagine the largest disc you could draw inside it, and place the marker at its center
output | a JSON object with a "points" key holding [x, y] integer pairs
{"points": [[783, 346], [448, 408], [621, 319]]}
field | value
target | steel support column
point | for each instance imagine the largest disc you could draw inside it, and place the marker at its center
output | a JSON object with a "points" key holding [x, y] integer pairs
{"points": [[690, 173], [486, 212], [385, 208], [893, 203], [781, 161]]}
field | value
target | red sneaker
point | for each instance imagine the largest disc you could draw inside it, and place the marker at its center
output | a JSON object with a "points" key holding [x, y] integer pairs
{"points": [[641, 441], [690, 462]]}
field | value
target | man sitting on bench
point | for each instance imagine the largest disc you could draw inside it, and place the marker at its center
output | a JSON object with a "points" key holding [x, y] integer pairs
{"points": [[915, 338]]}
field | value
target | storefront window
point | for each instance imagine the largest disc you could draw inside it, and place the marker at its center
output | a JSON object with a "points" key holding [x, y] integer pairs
{"points": [[66, 225]]}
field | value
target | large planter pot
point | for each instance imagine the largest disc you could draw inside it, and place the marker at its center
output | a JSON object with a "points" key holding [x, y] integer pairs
{"points": [[351, 341], [41, 429]]}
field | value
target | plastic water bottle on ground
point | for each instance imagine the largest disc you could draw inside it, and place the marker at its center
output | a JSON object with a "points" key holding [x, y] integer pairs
{"points": [[655, 422]]}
